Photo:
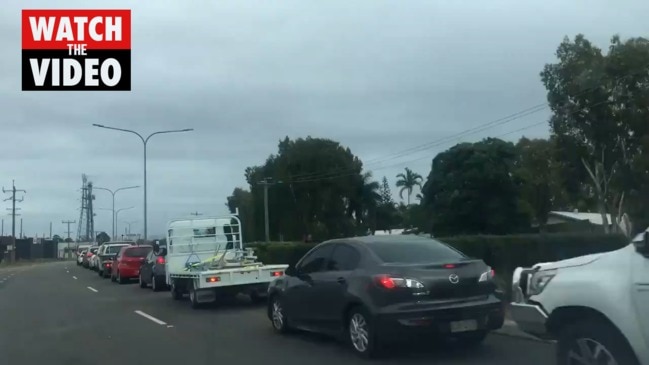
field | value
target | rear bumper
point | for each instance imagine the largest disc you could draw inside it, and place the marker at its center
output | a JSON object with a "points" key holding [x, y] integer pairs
{"points": [[129, 272], [488, 313]]}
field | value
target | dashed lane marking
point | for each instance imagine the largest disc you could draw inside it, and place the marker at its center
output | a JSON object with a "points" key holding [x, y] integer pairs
{"points": [[151, 318], [93, 289], [74, 277]]}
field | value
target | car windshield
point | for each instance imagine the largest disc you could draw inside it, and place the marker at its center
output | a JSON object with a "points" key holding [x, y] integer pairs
{"points": [[414, 252], [137, 251]]}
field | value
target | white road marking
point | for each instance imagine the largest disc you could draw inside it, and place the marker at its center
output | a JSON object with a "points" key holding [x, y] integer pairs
{"points": [[151, 318], [74, 277], [93, 289]]}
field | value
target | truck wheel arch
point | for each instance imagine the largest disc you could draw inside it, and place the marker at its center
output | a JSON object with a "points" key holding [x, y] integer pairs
{"points": [[565, 316]]}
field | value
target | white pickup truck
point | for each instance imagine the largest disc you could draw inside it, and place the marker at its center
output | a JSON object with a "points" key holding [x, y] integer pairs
{"points": [[595, 306], [205, 258]]}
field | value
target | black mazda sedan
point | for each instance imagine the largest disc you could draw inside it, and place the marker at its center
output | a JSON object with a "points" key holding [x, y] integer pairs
{"points": [[377, 289]]}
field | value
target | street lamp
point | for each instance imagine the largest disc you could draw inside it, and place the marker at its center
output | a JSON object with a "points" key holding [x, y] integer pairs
{"points": [[113, 194], [119, 210], [144, 142]]}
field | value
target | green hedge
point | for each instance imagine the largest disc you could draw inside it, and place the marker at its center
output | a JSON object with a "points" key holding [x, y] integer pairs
{"points": [[503, 253]]}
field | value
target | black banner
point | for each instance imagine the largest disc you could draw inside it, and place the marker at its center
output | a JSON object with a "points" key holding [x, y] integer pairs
{"points": [[98, 70]]}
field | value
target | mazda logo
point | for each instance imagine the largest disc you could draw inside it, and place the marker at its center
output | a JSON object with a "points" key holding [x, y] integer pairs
{"points": [[454, 279]]}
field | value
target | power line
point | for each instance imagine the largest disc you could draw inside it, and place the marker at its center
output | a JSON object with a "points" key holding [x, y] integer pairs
{"points": [[315, 176], [13, 199], [354, 172]]}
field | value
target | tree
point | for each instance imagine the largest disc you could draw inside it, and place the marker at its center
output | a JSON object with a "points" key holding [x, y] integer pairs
{"points": [[318, 190], [407, 182], [600, 106], [69, 240], [474, 190], [56, 238], [243, 200], [541, 187], [385, 192], [102, 238]]}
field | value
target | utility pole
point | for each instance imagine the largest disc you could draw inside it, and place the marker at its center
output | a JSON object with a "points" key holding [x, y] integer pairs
{"points": [[68, 223], [50, 229], [266, 183], [21, 228], [13, 199]]}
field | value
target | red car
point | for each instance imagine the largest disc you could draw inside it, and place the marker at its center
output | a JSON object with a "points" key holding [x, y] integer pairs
{"points": [[127, 263]]}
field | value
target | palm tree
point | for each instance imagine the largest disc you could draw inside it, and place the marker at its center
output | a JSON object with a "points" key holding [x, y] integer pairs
{"points": [[407, 182], [366, 198]]}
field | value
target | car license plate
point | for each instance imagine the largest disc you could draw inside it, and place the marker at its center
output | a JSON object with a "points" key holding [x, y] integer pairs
{"points": [[464, 326]]}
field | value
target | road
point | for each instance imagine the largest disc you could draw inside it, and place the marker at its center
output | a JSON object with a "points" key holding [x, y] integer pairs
{"points": [[59, 313]]}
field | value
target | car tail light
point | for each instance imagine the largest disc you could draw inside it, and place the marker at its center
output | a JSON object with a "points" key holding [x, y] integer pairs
{"points": [[160, 260], [277, 273], [213, 279], [392, 282], [449, 266]]}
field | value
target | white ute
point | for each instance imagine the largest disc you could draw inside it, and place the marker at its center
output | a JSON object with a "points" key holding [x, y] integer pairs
{"points": [[206, 259], [595, 306]]}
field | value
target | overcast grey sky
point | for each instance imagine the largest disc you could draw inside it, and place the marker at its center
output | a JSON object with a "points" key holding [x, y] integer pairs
{"points": [[377, 76]]}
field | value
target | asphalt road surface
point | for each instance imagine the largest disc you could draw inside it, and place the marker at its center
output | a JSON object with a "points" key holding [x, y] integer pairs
{"points": [[59, 313]]}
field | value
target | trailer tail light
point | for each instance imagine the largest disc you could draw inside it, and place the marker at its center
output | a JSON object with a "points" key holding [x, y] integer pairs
{"points": [[160, 260], [277, 273], [213, 279]]}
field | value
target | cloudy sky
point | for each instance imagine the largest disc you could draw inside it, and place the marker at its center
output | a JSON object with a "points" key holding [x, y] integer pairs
{"points": [[378, 76]]}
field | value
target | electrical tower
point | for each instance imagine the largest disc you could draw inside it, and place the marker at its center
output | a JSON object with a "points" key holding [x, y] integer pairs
{"points": [[86, 226], [13, 209]]}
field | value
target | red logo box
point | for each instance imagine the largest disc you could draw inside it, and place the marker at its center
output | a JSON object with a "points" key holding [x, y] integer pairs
{"points": [[76, 49]]}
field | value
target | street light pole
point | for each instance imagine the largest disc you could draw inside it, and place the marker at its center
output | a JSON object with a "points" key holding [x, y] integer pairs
{"points": [[113, 194], [144, 142], [119, 210]]}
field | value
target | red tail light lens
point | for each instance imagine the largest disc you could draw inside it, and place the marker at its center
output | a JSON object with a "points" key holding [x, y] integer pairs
{"points": [[213, 279], [160, 260], [391, 282], [449, 266], [276, 273]]}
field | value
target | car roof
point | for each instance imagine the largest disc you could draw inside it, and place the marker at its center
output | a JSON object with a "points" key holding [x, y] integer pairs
{"points": [[110, 244], [401, 238]]}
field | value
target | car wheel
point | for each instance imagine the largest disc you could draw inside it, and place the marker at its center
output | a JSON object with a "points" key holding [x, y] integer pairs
{"points": [[120, 279], [593, 342], [142, 282], [360, 333], [155, 285], [193, 297], [175, 293], [100, 273], [278, 315]]}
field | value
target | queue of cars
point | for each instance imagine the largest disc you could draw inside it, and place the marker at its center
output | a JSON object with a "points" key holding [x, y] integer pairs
{"points": [[124, 261], [367, 291]]}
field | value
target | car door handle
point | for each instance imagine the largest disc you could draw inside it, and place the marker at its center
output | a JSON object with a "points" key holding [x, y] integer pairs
{"points": [[341, 280]]}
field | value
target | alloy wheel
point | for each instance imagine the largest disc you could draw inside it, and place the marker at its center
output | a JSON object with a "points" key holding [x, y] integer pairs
{"points": [[278, 315], [358, 332], [586, 351]]}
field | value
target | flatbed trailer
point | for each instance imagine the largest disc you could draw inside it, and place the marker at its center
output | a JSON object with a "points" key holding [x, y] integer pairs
{"points": [[205, 259]]}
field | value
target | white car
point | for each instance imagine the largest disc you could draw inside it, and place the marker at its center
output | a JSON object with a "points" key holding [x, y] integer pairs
{"points": [[595, 306], [80, 255]]}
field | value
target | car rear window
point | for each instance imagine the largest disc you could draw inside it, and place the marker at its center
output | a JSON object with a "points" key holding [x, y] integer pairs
{"points": [[419, 252], [113, 249], [137, 251]]}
